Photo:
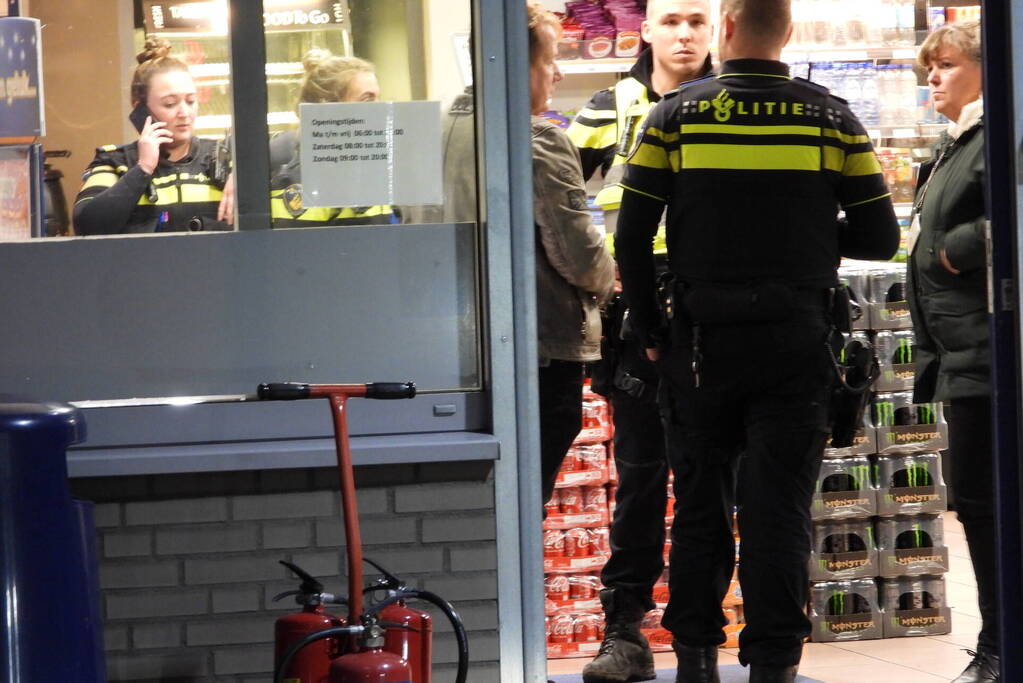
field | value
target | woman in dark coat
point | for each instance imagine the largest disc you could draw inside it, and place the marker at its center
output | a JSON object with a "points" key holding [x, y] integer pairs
{"points": [[948, 300]]}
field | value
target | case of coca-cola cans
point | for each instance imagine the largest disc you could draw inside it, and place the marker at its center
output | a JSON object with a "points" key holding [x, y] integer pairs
{"points": [[596, 426]]}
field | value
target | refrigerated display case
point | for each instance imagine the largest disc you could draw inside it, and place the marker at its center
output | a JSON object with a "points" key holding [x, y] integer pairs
{"points": [[197, 31]]}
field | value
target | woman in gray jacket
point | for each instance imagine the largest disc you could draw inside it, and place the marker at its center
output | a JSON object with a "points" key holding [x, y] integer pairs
{"points": [[574, 271], [948, 301]]}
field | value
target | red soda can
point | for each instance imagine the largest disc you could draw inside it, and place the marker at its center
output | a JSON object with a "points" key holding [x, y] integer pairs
{"points": [[586, 628], [547, 627], [571, 462], [571, 500], [554, 543], [562, 628], [553, 506], [555, 587], [582, 587], [592, 456], [594, 499], [600, 541], [577, 543], [652, 619]]}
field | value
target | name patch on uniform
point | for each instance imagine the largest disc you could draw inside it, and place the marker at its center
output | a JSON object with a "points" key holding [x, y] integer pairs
{"points": [[726, 107]]}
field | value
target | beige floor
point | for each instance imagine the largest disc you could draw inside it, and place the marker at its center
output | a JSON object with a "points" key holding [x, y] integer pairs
{"points": [[930, 659]]}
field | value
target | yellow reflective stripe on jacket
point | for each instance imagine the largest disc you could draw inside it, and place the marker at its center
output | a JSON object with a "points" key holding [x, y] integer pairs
{"points": [[660, 241], [861, 163], [732, 129], [191, 193], [105, 178], [360, 212], [314, 215], [752, 157], [653, 156], [845, 137], [597, 137], [631, 100]]}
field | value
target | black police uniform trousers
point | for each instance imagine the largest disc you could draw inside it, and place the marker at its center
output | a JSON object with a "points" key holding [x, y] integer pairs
{"points": [[972, 478], [637, 528], [750, 437]]}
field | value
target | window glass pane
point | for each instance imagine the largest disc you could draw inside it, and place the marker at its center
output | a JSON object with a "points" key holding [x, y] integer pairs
{"points": [[110, 69], [390, 295]]}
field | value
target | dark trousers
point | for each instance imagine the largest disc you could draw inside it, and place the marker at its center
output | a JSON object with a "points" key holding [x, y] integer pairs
{"points": [[637, 529], [750, 436], [972, 479], [561, 417]]}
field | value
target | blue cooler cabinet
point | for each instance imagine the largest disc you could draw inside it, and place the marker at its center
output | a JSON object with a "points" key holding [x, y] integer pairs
{"points": [[50, 627]]}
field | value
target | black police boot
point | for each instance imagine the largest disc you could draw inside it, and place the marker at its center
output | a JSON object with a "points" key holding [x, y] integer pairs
{"points": [[772, 674], [696, 664], [983, 669], [625, 654]]}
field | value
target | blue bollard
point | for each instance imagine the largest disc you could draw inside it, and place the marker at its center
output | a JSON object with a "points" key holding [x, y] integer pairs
{"points": [[50, 627]]}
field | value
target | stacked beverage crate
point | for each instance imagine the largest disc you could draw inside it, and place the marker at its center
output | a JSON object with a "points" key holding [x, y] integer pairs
{"points": [[878, 554], [576, 542], [576, 546]]}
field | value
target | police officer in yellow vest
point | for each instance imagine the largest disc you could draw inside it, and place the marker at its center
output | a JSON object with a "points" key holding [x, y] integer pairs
{"points": [[752, 166], [168, 180], [328, 78], [605, 131]]}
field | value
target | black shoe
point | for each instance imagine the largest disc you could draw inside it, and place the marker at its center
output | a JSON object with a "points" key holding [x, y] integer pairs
{"points": [[772, 674], [625, 654], [696, 664], [985, 668]]}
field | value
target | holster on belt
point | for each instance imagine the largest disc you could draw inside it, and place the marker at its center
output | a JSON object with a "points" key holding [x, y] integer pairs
{"points": [[856, 367]]}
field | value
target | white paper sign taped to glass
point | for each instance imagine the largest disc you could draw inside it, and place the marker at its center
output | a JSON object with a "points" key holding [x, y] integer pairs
{"points": [[370, 153]]}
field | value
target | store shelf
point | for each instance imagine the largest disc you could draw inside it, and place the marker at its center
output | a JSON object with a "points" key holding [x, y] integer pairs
{"points": [[596, 66], [623, 64], [223, 69], [853, 54]]}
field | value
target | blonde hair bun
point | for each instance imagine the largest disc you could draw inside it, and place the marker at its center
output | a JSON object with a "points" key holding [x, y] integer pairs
{"points": [[155, 48]]}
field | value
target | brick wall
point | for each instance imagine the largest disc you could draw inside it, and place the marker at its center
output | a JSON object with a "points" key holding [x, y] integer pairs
{"points": [[188, 563]]}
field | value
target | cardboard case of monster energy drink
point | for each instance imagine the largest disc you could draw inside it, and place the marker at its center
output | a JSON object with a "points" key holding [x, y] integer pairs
{"points": [[896, 350], [906, 427], [910, 484], [911, 546], [845, 610], [889, 309], [915, 606], [845, 490], [843, 549]]}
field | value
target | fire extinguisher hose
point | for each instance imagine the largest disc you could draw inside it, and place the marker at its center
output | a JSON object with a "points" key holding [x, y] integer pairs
{"points": [[461, 638]]}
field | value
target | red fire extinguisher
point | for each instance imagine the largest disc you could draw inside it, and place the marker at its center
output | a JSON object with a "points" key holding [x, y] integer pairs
{"points": [[312, 664], [393, 641], [371, 663]]}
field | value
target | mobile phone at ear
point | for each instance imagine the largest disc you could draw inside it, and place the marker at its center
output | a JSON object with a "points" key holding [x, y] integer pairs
{"points": [[138, 116]]}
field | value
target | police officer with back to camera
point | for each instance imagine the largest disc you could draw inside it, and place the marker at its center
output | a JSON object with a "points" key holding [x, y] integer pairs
{"points": [[605, 131], [753, 167]]}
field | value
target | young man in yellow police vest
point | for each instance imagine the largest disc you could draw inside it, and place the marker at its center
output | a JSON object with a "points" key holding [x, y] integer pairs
{"points": [[605, 131]]}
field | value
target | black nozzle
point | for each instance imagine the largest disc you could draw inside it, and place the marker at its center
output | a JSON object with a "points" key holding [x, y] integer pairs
{"points": [[390, 390], [309, 584], [282, 391]]}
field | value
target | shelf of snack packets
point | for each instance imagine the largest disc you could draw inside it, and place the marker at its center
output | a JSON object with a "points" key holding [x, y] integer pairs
{"points": [[577, 544], [878, 555]]}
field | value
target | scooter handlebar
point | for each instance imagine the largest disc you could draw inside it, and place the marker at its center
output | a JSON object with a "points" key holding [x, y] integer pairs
{"points": [[391, 390], [282, 391]]}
